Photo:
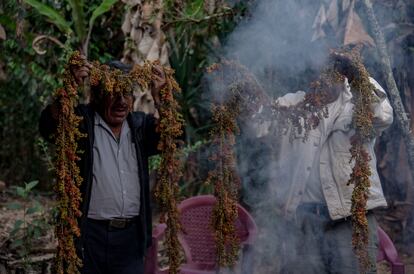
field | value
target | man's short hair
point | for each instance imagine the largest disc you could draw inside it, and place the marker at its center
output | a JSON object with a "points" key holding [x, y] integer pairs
{"points": [[115, 64]]}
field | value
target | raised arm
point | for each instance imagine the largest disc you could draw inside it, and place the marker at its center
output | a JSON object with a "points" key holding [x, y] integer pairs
{"points": [[49, 116], [383, 112]]}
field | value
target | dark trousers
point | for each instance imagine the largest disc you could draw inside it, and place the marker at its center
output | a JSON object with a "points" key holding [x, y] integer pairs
{"points": [[109, 250], [325, 246]]}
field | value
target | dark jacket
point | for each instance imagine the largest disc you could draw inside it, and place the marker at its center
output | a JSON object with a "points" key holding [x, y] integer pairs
{"points": [[145, 139]]}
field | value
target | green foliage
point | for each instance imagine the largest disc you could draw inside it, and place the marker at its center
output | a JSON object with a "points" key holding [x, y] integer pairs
{"points": [[79, 17], [195, 37], [195, 33], [155, 161], [189, 185], [31, 79], [104, 7], [34, 223], [52, 14], [44, 151]]}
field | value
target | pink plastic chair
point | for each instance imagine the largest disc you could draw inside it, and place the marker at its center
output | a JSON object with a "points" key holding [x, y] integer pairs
{"points": [[197, 239], [388, 252]]}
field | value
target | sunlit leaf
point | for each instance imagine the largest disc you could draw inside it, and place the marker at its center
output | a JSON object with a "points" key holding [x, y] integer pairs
{"points": [[52, 14], [101, 9]]}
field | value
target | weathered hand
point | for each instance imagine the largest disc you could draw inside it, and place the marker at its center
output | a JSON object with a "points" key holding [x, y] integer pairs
{"points": [[345, 64], [159, 81], [81, 72]]}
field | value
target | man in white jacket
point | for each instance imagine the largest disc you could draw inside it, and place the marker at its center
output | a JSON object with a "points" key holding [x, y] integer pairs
{"points": [[310, 185]]}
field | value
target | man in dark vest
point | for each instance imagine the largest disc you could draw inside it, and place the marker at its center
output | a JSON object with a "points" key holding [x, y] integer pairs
{"points": [[116, 215]]}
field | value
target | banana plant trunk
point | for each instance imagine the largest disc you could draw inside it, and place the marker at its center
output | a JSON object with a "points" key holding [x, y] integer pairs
{"points": [[145, 41]]}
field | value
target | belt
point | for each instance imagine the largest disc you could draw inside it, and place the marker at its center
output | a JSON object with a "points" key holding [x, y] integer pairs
{"points": [[322, 210], [118, 223]]}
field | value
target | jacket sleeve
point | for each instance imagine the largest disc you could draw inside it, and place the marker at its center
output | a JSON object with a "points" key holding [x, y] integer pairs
{"points": [[383, 112], [262, 128], [47, 124], [152, 137]]}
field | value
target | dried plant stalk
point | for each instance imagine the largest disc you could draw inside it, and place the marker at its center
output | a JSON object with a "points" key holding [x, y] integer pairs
{"points": [[226, 182], [362, 122], [67, 171], [170, 128]]}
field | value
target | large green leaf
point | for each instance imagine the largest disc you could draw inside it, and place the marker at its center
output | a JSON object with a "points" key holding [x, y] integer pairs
{"points": [[105, 6], [78, 18], [21, 192], [52, 14]]}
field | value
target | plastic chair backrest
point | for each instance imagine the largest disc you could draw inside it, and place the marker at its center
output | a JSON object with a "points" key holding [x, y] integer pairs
{"points": [[197, 238], [388, 252]]}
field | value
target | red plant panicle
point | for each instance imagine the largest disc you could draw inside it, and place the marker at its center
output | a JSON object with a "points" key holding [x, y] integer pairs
{"points": [[166, 192], [226, 181], [362, 123], [67, 171]]}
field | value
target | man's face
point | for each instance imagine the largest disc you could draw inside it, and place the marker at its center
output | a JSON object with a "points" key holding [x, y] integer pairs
{"points": [[115, 109]]}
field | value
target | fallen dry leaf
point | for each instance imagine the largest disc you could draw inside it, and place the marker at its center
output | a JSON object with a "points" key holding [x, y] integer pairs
{"points": [[355, 32]]}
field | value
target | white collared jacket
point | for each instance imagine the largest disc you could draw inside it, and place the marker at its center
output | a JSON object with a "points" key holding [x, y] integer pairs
{"points": [[324, 157]]}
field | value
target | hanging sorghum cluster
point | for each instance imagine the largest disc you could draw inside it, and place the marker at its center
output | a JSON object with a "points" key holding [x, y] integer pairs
{"points": [[230, 79], [362, 122], [113, 81], [226, 181], [170, 129], [301, 118], [68, 178], [233, 79], [235, 93]]}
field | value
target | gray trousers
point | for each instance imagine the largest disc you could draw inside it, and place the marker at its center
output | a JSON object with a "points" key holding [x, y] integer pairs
{"points": [[322, 246]]}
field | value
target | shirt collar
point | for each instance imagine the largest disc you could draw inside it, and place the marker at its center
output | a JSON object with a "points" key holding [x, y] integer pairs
{"points": [[100, 122]]}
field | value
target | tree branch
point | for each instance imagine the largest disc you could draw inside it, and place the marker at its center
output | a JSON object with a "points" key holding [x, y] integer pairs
{"points": [[394, 95]]}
